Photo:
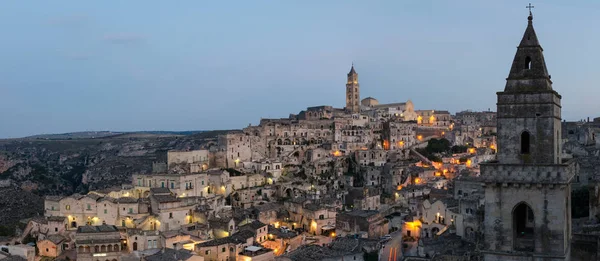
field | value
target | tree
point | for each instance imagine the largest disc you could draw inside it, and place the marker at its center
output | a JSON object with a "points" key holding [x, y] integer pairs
{"points": [[438, 146], [459, 149]]}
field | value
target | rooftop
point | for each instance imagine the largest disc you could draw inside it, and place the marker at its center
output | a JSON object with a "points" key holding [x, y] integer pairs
{"points": [[254, 225], [280, 233], [361, 213], [156, 191], [165, 198], [125, 200], [169, 254], [97, 229]]}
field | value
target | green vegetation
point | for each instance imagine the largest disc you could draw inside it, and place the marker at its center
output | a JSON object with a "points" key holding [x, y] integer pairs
{"points": [[6, 231], [459, 149], [438, 146]]}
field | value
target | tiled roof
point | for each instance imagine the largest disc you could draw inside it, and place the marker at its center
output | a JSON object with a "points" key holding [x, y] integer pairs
{"points": [[54, 198], [254, 225], [169, 254], [126, 200], [97, 229], [160, 191], [56, 239], [165, 198]]}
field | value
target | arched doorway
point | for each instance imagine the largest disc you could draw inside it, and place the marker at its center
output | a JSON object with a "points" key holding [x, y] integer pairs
{"points": [[523, 227], [134, 246], [288, 193]]}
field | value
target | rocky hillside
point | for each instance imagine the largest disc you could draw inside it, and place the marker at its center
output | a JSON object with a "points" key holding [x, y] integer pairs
{"points": [[33, 168]]}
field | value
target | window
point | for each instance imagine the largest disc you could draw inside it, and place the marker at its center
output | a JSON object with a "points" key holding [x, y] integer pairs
{"points": [[105, 211], [222, 249], [89, 207], [52, 208], [55, 229], [527, 63], [207, 252], [171, 215], [68, 207], [525, 142], [172, 185], [130, 210], [162, 184]]}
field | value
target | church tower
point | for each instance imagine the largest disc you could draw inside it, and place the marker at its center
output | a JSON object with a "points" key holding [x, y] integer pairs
{"points": [[352, 92], [528, 188]]}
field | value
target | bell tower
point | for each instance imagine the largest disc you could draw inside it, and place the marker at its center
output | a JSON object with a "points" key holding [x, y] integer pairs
{"points": [[528, 188], [352, 92]]}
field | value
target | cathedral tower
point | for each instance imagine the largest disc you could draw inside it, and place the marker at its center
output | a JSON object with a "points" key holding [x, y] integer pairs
{"points": [[528, 188], [352, 92]]}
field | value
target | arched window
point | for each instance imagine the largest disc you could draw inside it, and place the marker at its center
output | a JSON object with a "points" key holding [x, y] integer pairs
{"points": [[523, 228], [525, 142], [527, 62]]}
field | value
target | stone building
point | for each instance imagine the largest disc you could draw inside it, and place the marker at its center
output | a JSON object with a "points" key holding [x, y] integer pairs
{"points": [[433, 118], [189, 157], [366, 222], [399, 135], [53, 245], [352, 92], [367, 198], [528, 189], [226, 248], [314, 218], [98, 243]]}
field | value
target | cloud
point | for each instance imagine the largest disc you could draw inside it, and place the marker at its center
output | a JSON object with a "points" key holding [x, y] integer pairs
{"points": [[124, 38]]}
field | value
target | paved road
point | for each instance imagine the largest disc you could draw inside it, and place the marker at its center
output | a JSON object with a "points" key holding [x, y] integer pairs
{"points": [[393, 248]]}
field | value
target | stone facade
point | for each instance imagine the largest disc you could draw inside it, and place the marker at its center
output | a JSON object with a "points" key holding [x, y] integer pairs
{"points": [[98, 242], [528, 190], [352, 92]]}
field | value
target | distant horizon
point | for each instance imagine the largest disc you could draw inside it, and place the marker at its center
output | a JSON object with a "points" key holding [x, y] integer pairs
{"points": [[207, 130], [219, 66]]}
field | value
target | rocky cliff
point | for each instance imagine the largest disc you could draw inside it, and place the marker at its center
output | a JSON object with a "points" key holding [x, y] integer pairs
{"points": [[33, 168]]}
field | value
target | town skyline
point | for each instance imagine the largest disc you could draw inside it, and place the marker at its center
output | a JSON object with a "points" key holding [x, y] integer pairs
{"points": [[124, 74]]}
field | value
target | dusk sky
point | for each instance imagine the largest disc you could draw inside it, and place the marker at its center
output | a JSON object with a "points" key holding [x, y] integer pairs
{"points": [[70, 66]]}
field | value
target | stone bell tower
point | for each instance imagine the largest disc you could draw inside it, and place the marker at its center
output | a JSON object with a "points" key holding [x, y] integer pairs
{"points": [[528, 188], [352, 92]]}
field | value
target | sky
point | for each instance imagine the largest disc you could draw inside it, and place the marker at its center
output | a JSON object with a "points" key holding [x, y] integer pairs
{"points": [[69, 66]]}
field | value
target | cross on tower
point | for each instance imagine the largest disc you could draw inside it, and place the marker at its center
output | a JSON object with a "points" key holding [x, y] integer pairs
{"points": [[529, 7]]}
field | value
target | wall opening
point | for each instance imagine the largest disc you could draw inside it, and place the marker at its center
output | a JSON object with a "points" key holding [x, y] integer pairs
{"points": [[525, 142], [523, 228], [527, 63]]}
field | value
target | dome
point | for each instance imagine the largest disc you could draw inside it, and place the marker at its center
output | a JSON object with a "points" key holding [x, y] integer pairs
{"points": [[369, 101]]}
